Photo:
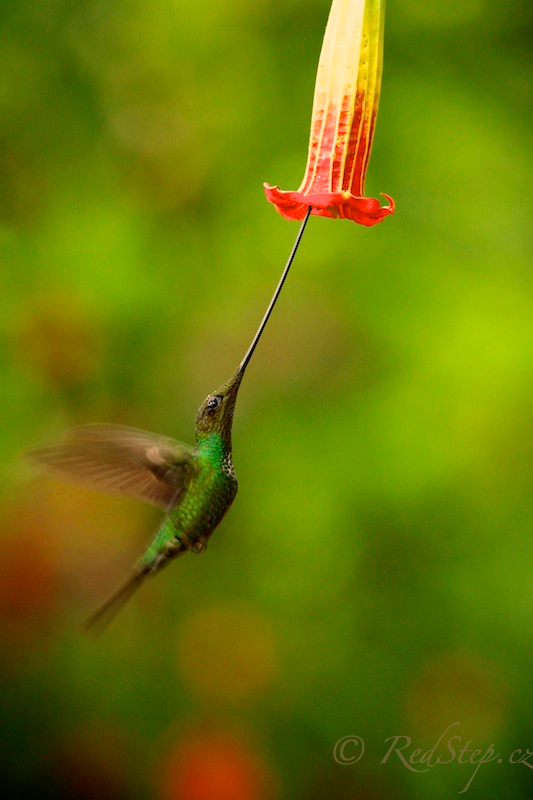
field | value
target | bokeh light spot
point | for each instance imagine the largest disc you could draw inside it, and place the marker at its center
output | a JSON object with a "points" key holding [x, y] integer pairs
{"points": [[227, 653], [215, 767], [460, 687]]}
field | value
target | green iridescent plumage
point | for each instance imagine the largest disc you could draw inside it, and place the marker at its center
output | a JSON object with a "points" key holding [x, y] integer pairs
{"points": [[195, 486]]}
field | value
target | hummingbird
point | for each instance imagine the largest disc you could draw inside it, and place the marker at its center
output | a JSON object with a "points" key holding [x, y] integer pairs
{"points": [[194, 486]]}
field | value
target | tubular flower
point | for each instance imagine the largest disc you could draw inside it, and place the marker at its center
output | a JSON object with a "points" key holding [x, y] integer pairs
{"points": [[344, 115]]}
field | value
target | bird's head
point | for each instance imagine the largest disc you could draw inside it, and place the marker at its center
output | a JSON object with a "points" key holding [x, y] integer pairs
{"points": [[215, 415]]}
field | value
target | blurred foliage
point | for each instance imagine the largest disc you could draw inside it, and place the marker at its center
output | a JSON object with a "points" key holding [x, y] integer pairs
{"points": [[374, 574]]}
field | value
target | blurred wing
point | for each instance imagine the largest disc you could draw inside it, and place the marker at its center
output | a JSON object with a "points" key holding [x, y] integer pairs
{"points": [[123, 461]]}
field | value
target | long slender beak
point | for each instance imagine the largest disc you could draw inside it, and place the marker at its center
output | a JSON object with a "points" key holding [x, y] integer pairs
{"points": [[249, 353], [235, 380]]}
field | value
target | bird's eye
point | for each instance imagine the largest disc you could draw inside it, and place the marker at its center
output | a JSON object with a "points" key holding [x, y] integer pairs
{"points": [[213, 403]]}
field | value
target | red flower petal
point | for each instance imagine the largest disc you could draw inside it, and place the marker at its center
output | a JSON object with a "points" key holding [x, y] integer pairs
{"points": [[337, 205]]}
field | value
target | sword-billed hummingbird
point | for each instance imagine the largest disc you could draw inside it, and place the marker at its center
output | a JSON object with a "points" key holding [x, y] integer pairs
{"points": [[195, 486]]}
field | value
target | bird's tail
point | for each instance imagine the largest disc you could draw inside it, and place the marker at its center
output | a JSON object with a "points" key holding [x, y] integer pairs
{"points": [[103, 615]]}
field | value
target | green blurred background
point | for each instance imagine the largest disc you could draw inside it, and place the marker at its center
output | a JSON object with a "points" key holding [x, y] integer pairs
{"points": [[373, 577]]}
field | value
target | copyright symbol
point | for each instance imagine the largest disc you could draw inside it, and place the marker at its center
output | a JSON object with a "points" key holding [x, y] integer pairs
{"points": [[339, 754]]}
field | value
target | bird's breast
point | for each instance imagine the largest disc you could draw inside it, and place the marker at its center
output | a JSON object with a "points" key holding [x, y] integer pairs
{"points": [[205, 503]]}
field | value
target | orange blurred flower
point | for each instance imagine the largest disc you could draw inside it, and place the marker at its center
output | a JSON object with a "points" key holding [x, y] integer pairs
{"points": [[215, 766], [344, 115]]}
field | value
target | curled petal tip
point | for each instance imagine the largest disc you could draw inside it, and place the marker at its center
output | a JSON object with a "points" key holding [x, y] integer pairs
{"points": [[391, 201]]}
